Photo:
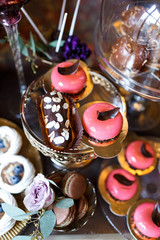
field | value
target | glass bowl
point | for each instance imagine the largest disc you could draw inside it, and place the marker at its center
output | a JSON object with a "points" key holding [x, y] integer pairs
{"points": [[144, 78], [103, 90]]}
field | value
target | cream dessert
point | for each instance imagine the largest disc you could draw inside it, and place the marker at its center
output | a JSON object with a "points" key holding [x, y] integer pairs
{"points": [[102, 123], [68, 77], [16, 173], [121, 184], [6, 222], [145, 220], [10, 141], [140, 154]]}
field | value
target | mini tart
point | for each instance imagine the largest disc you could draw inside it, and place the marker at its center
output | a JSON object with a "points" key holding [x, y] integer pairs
{"points": [[8, 174], [59, 121], [10, 141], [102, 130], [119, 188], [6, 222], [138, 157], [143, 220]]}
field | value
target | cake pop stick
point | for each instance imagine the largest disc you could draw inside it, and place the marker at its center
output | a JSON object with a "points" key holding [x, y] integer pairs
{"points": [[74, 18], [61, 15], [34, 26], [61, 33]]}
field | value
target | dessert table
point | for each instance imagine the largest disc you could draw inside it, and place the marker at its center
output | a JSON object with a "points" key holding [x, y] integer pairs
{"points": [[46, 17]]}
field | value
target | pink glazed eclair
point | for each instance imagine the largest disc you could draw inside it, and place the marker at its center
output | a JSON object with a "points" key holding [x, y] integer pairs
{"points": [[72, 83], [102, 123], [140, 154], [121, 184]]}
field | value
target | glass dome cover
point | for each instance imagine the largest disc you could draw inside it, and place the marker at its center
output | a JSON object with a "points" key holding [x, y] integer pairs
{"points": [[127, 45]]}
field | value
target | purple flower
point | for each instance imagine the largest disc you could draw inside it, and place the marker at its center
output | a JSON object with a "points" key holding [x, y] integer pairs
{"points": [[73, 48], [39, 194]]}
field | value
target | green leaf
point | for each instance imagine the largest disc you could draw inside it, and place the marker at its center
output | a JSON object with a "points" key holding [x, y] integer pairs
{"points": [[53, 183], [22, 238], [65, 203], [14, 212], [54, 43], [43, 51], [23, 47], [2, 41], [32, 43], [47, 223]]}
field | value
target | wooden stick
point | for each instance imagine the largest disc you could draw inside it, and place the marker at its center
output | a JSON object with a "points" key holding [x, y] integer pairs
{"points": [[61, 33], [74, 18], [61, 15], [34, 26]]}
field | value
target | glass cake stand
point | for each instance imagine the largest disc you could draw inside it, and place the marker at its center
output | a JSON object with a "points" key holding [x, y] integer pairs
{"points": [[144, 86], [103, 90]]}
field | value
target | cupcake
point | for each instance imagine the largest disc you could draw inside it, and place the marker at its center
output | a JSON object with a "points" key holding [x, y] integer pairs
{"points": [[144, 220], [128, 56], [102, 123], [16, 173], [119, 188], [59, 121], [69, 77], [10, 141], [6, 222]]}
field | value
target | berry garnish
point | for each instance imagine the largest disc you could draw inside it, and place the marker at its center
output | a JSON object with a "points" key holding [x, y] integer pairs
{"points": [[2, 143], [1, 209], [18, 169], [15, 179]]}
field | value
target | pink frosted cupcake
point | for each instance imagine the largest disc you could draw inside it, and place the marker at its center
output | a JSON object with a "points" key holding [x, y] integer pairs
{"points": [[121, 184], [140, 155]]}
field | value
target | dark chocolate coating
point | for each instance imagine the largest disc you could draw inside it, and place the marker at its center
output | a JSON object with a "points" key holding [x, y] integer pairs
{"points": [[130, 19], [56, 115], [127, 55]]}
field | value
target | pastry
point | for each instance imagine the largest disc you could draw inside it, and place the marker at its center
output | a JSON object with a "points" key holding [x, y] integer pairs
{"points": [[10, 141], [64, 216], [74, 185], [102, 123], [16, 173], [81, 207], [140, 155], [145, 222], [59, 121], [128, 56], [121, 185], [6, 222], [132, 20], [68, 77]]}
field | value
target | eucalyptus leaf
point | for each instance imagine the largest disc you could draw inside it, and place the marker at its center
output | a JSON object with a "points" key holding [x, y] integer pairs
{"points": [[23, 48], [54, 43], [32, 43], [2, 41], [47, 223], [22, 238], [14, 212], [40, 49], [53, 183], [65, 203]]}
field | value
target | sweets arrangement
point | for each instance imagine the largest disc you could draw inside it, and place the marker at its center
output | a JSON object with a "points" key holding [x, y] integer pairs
{"points": [[72, 185], [138, 44]]}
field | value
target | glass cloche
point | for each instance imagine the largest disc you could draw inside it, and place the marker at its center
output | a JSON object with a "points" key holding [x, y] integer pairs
{"points": [[127, 45]]}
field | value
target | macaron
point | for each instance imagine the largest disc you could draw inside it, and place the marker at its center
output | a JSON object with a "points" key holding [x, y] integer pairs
{"points": [[64, 216], [81, 207], [57, 179], [74, 185]]}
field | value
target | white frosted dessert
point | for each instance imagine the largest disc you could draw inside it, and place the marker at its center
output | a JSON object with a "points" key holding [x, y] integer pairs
{"points": [[16, 173], [10, 142], [6, 222]]}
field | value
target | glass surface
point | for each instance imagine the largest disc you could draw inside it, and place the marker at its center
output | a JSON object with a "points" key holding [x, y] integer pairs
{"points": [[127, 45], [103, 90]]}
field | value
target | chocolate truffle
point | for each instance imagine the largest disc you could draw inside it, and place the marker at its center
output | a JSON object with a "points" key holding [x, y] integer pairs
{"points": [[128, 56]]}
